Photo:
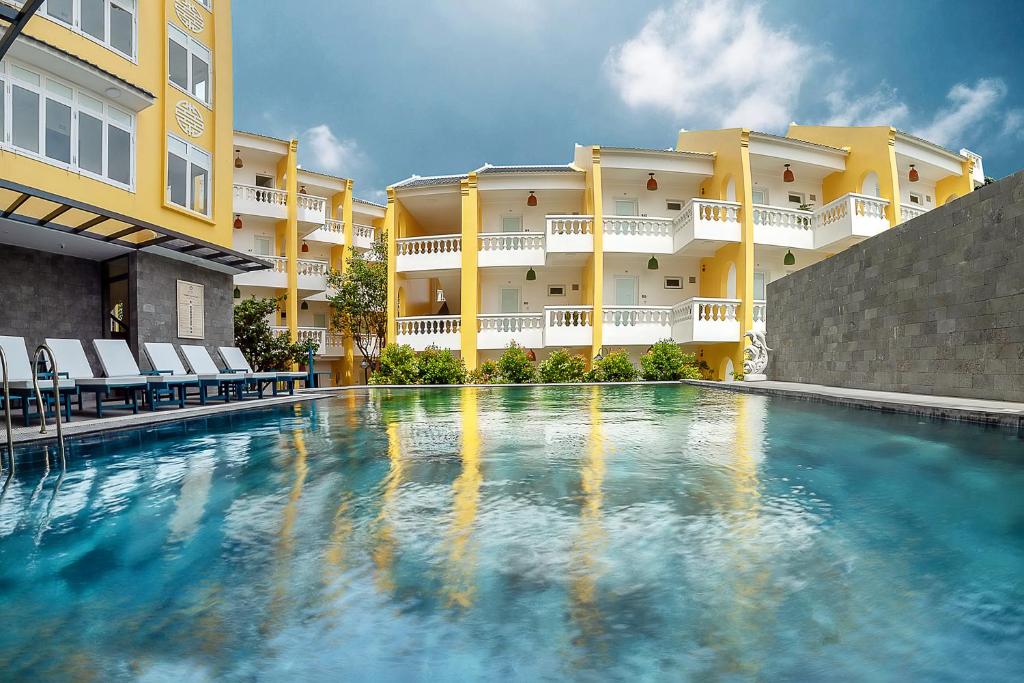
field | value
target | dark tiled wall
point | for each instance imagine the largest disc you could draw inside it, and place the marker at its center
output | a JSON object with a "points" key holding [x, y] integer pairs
{"points": [[50, 295], [934, 306]]}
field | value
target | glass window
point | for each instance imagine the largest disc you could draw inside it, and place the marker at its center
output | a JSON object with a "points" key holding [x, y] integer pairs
{"points": [[177, 183], [320, 320], [90, 143], [511, 223], [201, 75], [261, 245], [188, 176], [58, 131], [189, 64], [111, 22], [759, 196], [625, 207], [122, 28], [25, 118], [94, 18], [3, 112], [119, 154], [759, 282], [62, 10], [178, 61]]}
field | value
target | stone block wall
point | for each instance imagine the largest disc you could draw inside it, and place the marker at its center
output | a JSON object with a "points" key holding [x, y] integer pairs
{"points": [[933, 306]]}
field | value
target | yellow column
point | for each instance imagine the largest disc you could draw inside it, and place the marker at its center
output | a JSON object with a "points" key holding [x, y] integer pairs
{"points": [[597, 262], [893, 210], [391, 228], [288, 170], [470, 281], [348, 361], [745, 260]]}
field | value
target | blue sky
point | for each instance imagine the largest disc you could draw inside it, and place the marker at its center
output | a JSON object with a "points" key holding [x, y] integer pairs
{"points": [[378, 91]]}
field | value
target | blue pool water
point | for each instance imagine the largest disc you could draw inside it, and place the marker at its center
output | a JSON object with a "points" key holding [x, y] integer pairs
{"points": [[618, 533]]}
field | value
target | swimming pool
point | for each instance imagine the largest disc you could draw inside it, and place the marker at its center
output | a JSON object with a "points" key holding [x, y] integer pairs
{"points": [[654, 532]]}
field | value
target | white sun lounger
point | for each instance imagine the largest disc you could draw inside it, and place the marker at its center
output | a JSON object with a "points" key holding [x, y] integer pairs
{"points": [[200, 362], [71, 359], [20, 376], [235, 361], [166, 361], [117, 361]]}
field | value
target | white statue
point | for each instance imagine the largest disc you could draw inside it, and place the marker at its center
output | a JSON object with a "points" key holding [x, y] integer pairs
{"points": [[756, 357]]}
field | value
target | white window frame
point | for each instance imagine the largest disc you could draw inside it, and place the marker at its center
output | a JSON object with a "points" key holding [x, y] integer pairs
{"points": [[257, 239], [207, 4], [627, 200], [680, 202], [764, 195], [110, 116], [799, 195], [190, 45], [919, 197], [131, 6], [505, 217], [192, 154], [553, 293]]}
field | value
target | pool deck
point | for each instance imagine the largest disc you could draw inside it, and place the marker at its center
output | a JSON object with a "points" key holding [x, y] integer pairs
{"points": [[115, 420], [997, 413]]}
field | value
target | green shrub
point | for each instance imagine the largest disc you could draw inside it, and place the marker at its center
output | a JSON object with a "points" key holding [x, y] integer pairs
{"points": [[441, 366], [515, 366], [486, 373], [667, 362], [562, 366], [705, 370], [398, 365], [615, 367]]}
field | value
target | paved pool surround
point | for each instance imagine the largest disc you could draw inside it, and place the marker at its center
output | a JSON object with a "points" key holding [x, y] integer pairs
{"points": [[934, 306]]}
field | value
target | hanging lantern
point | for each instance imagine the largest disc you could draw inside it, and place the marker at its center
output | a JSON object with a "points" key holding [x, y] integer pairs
{"points": [[652, 264], [652, 184], [531, 275], [914, 175], [238, 159], [530, 355], [532, 199], [238, 222], [787, 175], [305, 248], [789, 259], [302, 190], [238, 293], [304, 306]]}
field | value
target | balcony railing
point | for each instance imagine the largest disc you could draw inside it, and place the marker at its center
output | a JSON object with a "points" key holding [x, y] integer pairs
{"points": [[311, 267], [267, 202], [420, 332], [438, 252], [511, 249], [641, 234], [907, 212], [331, 232], [783, 226], [636, 325], [311, 209], [570, 234], [760, 315], [498, 330], [305, 334], [701, 320], [849, 219], [362, 235], [568, 325], [708, 220]]}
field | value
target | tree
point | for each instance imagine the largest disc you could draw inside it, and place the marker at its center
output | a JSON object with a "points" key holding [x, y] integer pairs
{"points": [[254, 336], [359, 301]]}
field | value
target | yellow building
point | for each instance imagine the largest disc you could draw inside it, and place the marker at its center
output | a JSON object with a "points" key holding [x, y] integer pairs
{"points": [[304, 224], [116, 170], [623, 247]]}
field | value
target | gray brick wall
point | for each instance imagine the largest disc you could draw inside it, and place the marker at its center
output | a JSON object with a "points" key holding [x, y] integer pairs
{"points": [[934, 306], [155, 303], [49, 295]]}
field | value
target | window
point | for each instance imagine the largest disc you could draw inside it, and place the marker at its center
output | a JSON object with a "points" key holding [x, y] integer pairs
{"points": [[795, 198], [626, 207], [65, 126], [208, 4], [261, 245], [189, 64], [915, 199], [188, 176], [759, 282], [320, 320], [509, 300], [673, 283], [110, 22], [556, 290], [264, 180], [511, 223], [674, 204], [759, 196]]}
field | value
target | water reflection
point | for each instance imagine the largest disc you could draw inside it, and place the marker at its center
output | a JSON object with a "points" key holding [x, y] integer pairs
{"points": [[459, 585]]}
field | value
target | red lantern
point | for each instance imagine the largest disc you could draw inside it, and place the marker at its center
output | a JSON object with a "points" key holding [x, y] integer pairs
{"points": [[652, 184], [532, 199], [305, 247], [914, 175], [787, 175], [238, 222]]}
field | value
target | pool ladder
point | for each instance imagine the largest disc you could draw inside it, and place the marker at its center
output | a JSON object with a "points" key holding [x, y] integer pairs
{"points": [[40, 408]]}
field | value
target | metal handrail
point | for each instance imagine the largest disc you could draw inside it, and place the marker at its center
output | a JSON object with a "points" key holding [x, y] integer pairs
{"points": [[7, 415], [56, 398]]}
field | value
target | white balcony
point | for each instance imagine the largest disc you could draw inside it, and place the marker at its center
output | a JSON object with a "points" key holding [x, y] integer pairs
{"points": [[760, 316], [311, 209], [908, 212], [570, 234], [636, 325], [261, 201], [783, 227], [511, 249], [313, 275], [442, 331], [705, 220], [440, 252], [317, 334], [276, 276], [362, 236], [333, 346], [332, 232], [703, 320], [568, 326], [498, 330], [848, 220], [638, 234]]}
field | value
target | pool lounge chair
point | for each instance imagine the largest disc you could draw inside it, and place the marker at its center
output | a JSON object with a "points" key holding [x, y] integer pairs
{"points": [[234, 361], [117, 361], [20, 375], [71, 359], [200, 363], [166, 361]]}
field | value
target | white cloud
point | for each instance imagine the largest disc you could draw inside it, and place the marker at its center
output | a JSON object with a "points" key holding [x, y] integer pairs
{"points": [[716, 60], [969, 107], [330, 153], [1013, 123], [880, 107]]}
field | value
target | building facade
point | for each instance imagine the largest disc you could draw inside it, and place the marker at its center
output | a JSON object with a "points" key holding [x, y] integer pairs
{"points": [[624, 247], [304, 224], [116, 170]]}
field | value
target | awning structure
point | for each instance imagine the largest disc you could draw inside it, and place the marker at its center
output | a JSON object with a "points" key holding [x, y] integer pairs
{"points": [[36, 219], [16, 16]]}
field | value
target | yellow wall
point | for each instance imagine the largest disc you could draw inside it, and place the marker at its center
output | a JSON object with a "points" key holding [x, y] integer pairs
{"points": [[954, 186], [470, 280], [595, 264], [147, 202]]}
